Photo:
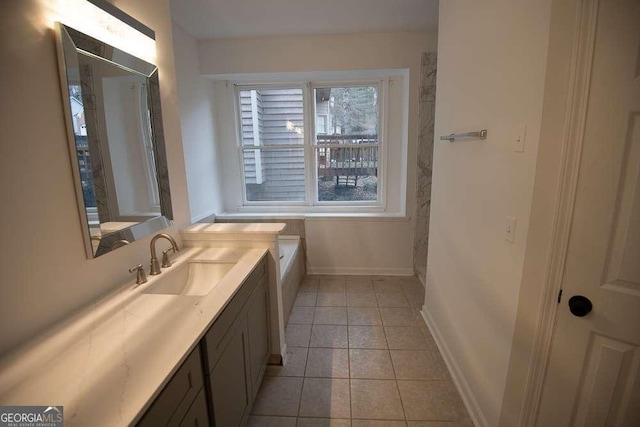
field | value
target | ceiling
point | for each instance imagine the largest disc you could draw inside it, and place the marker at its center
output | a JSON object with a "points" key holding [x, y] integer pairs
{"points": [[206, 19]]}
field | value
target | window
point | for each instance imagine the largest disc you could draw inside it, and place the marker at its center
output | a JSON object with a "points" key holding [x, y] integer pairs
{"points": [[347, 156], [272, 129], [332, 161], [321, 123]]}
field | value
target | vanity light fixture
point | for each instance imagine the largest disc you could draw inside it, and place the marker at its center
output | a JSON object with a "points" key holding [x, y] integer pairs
{"points": [[103, 21]]}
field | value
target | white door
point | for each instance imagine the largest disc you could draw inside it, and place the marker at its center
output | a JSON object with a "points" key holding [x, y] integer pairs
{"points": [[593, 377]]}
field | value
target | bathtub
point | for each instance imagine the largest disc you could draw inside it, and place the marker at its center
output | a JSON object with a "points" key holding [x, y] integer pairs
{"points": [[292, 268]]}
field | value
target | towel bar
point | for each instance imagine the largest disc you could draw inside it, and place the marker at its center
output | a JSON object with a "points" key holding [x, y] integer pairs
{"points": [[482, 135]]}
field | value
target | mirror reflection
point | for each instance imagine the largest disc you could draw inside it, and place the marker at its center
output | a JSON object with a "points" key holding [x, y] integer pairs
{"points": [[115, 135]]}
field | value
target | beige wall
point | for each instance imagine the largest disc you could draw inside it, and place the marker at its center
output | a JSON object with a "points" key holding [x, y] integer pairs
{"points": [[491, 73], [44, 273], [376, 246]]}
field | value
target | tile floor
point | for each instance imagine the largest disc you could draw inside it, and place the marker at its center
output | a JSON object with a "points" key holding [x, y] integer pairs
{"points": [[359, 354]]}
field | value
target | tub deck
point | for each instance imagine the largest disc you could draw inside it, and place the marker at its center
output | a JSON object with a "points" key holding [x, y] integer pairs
{"points": [[292, 269]]}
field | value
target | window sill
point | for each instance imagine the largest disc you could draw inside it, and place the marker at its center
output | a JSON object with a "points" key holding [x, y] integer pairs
{"points": [[317, 216]]}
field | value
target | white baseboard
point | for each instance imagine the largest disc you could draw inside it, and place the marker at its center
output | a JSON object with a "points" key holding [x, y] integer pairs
{"points": [[477, 416], [279, 359], [369, 271]]}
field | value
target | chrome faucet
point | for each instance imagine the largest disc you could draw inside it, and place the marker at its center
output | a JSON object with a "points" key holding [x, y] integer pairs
{"points": [[155, 266]]}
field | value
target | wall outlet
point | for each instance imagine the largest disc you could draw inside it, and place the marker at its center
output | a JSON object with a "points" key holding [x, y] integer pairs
{"points": [[510, 229], [519, 138]]}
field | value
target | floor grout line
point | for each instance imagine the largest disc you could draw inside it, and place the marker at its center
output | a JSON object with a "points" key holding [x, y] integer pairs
{"points": [[395, 376], [349, 373], [406, 292], [303, 378]]}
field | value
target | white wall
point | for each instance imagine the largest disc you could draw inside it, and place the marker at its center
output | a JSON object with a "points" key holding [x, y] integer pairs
{"points": [[44, 273], [326, 239], [545, 198], [491, 71], [198, 123], [121, 105], [359, 246]]}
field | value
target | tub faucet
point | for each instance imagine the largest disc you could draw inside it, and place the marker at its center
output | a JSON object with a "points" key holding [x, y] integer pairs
{"points": [[155, 266]]}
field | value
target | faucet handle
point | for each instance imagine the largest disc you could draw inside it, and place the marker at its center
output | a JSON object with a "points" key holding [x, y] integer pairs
{"points": [[166, 262], [141, 276]]}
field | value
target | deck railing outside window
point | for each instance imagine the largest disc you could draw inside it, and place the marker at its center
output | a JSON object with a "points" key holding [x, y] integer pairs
{"points": [[347, 156]]}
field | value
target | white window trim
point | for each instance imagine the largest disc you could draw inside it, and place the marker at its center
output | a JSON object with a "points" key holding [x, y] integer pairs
{"points": [[325, 118], [312, 204]]}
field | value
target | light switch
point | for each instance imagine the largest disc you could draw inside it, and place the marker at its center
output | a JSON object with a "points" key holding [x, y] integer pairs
{"points": [[510, 229], [519, 138]]}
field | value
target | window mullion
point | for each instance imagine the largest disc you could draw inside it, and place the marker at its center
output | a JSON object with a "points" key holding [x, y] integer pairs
{"points": [[238, 125], [383, 117], [346, 145], [272, 147], [309, 131]]}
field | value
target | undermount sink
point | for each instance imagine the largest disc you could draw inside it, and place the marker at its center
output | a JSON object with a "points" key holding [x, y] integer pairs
{"points": [[189, 279]]}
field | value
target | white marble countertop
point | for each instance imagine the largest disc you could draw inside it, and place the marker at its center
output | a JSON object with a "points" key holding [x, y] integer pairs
{"points": [[236, 228], [232, 233], [107, 363]]}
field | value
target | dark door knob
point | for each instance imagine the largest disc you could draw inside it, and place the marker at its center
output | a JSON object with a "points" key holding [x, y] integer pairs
{"points": [[580, 306]]}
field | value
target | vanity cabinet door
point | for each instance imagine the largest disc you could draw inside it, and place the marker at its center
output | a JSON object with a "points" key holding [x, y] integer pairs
{"points": [[216, 337], [230, 385], [258, 325], [198, 415], [176, 397]]}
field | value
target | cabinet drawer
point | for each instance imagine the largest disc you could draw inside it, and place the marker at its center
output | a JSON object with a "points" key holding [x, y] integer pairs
{"points": [[214, 337], [174, 401]]}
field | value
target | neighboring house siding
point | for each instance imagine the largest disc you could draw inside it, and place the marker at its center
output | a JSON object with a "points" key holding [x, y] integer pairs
{"points": [[247, 137], [280, 112], [322, 110]]}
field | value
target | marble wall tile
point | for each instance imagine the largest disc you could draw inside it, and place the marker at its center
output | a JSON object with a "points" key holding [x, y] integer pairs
{"points": [[427, 114], [428, 72], [427, 93]]}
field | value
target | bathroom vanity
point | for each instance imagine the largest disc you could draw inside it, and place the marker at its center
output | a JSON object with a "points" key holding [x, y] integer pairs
{"points": [[169, 352], [225, 369]]}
